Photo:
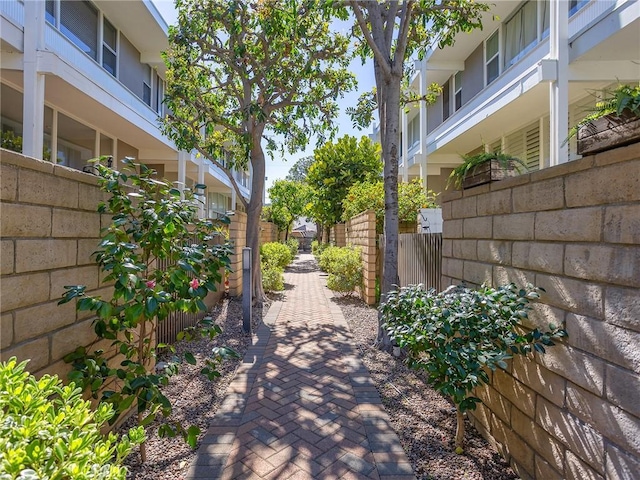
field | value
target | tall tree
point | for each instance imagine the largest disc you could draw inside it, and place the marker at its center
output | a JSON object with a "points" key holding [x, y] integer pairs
{"points": [[298, 172], [240, 70], [390, 32], [289, 200], [336, 167]]}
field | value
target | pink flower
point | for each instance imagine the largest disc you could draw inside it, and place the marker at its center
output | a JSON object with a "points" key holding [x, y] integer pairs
{"points": [[194, 283], [151, 284]]}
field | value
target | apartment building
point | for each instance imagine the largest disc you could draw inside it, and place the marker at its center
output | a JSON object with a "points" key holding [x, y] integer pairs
{"points": [[81, 78], [519, 83]]}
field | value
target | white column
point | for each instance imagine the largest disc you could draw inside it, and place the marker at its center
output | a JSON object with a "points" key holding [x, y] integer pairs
{"points": [[54, 137], [96, 146], [33, 98], [423, 125], [182, 170], [405, 147], [559, 89], [203, 205], [234, 199]]}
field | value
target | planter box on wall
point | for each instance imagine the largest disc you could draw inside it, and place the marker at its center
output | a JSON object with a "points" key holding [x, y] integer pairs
{"points": [[608, 132], [489, 172]]}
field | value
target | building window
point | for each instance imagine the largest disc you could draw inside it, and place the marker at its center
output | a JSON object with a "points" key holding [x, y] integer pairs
{"points": [[575, 5], [446, 103], [492, 57], [146, 87], [50, 12], [109, 47], [159, 95], [520, 32], [457, 82], [413, 131], [79, 23]]}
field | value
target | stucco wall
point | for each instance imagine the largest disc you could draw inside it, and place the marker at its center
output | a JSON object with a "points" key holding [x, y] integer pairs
{"points": [[574, 230], [361, 232]]}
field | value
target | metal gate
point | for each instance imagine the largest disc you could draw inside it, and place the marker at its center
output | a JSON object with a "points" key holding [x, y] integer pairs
{"points": [[419, 259]]}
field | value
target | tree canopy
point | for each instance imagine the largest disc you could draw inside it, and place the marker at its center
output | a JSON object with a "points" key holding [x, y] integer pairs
{"points": [[240, 73], [370, 196], [336, 167], [288, 201]]}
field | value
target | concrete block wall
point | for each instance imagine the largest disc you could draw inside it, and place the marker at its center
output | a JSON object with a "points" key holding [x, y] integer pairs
{"points": [[574, 230], [268, 232], [360, 232], [48, 227], [237, 235], [338, 235]]}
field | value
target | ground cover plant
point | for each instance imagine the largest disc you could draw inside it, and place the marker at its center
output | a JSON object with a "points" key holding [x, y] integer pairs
{"points": [[151, 222], [455, 335], [48, 431]]}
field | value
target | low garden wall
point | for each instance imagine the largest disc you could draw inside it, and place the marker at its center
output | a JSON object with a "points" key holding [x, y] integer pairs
{"points": [[574, 229], [360, 231], [337, 236], [49, 227], [268, 232]]}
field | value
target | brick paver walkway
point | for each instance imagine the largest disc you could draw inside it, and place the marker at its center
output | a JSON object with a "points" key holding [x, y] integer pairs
{"points": [[302, 404]]}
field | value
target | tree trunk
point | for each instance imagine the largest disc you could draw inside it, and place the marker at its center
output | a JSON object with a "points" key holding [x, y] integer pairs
{"points": [[389, 111], [254, 210], [459, 429], [327, 234]]}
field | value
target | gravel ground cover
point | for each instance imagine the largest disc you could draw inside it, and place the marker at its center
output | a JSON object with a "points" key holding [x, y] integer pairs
{"points": [[195, 399], [423, 419]]}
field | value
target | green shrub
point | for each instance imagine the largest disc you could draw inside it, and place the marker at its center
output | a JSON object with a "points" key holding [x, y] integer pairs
{"points": [[455, 334], [275, 254], [317, 248], [293, 245], [344, 266], [327, 257], [272, 279], [48, 431]]}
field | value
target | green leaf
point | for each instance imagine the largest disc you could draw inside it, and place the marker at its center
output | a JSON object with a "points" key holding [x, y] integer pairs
{"points": [[188, 356]]}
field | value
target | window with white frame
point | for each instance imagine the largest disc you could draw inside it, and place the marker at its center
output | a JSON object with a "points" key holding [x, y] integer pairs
{"points": [[413, 132], [146, 86], [50, 12], [457, 88], [446, 100], [79, 23], [520, 32], [575, 5], [492, 57], [109, 47]]}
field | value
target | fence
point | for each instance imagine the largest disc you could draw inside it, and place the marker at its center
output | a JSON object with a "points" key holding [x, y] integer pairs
{"points": [[419, 259], [168, 329]]}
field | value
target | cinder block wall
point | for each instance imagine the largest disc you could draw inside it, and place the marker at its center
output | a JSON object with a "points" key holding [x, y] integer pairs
{"points": [[49, 228], [268, 232], [238, 237], [338, 235], [360, 232], [574, 230]]}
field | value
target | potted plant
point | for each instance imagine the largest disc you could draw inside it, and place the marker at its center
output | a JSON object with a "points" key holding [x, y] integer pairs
{"points": [[484, 168], [613, 122]]}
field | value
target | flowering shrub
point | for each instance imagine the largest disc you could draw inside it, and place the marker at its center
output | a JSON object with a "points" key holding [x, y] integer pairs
{"points": [[48, 431], [150, 222], [455, 334]]}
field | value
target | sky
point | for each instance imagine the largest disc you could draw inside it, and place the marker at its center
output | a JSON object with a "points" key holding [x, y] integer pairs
{"points": [[279, 167]]}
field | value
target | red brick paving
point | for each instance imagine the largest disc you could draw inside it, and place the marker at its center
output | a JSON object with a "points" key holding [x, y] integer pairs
{"points": [[302, 404]]}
